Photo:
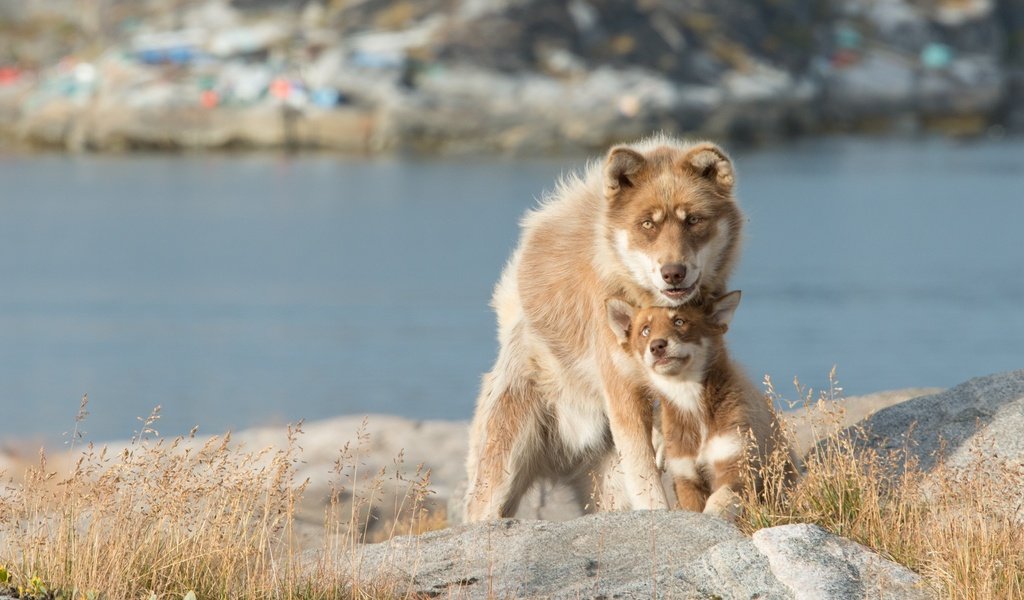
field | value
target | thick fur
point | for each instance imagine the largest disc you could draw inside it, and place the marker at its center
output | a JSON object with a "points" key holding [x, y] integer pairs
{"points": [[656, 223], [715, 424]]}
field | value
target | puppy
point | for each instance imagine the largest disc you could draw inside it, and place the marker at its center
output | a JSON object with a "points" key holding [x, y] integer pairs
{"points": [[715, 423]]}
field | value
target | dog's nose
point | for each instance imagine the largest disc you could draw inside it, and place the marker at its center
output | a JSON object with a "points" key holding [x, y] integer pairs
{"points": [[658, 347], [673, 274]]}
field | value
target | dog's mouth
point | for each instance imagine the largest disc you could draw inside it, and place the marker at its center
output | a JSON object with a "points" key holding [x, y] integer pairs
{"points": [[679, 294], [671, 363]]}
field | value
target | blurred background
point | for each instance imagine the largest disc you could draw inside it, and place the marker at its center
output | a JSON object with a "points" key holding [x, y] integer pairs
{"points": [[253, 211]]}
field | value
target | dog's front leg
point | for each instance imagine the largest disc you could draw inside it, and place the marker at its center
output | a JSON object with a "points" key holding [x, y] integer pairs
{"points": [[630, 417], [728, 459]]}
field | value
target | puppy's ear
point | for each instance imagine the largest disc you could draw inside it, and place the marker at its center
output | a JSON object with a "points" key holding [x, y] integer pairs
{"points": [[710, 162], [621, 169], [620, 318], [723, 309]]}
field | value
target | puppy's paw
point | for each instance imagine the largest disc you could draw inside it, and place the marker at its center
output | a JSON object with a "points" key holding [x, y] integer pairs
{"points": [[724, 503]]}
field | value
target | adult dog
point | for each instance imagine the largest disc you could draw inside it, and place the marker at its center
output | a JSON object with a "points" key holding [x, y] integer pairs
{"points": [[655, 224]]}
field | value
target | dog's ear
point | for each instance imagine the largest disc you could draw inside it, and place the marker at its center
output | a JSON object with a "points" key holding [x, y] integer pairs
{"points": [[710, 162], [621, 169], [620, 318], [723, 309]]}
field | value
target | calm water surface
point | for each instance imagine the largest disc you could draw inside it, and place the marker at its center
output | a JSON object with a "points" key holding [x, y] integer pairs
{"points": [[236, 291]]}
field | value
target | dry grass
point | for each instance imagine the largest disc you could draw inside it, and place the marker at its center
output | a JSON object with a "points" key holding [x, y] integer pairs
{"points": [[954, 526], [183, 519]]}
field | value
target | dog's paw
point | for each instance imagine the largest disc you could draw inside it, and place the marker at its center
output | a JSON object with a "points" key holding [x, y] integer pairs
{"points": [[724, 503]]}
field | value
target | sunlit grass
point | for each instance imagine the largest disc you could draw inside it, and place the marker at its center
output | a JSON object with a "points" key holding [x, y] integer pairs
{"points": [[953, 525], [186, 518], [180, 518]]}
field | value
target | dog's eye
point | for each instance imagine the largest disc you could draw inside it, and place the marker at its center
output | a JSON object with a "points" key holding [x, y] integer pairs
{"points": [[694, 219], [679, 322], [647, 224], [646, 331]]}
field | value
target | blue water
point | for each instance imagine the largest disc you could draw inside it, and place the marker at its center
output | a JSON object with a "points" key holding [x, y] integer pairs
{"points": [[236, 291]]}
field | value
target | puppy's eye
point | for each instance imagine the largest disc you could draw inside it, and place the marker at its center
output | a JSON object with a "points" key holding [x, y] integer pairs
{"points": [[679, 322], [646, 331], [647, 224], [694, 220]]}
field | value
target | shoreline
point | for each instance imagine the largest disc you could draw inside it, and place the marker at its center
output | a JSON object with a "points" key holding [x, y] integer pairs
{"points": [[354, 150], [397, 130], [500, 78]]}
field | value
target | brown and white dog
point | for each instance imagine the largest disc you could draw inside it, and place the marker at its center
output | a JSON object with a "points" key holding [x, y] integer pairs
{"points": [[655, 224], [711, 414]]}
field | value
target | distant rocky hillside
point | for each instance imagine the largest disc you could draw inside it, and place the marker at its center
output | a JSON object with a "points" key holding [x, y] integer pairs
{"points": [[500, 75]]}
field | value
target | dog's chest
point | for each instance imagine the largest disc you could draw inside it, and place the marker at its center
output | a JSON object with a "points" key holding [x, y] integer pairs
{"points": [[687, 396]]}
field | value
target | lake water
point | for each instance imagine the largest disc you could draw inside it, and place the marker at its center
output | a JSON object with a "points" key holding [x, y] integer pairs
{"points": [[237, 291]]}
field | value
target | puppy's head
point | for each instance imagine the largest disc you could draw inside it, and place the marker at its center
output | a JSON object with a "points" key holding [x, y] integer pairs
{"points": [[672, 342]]}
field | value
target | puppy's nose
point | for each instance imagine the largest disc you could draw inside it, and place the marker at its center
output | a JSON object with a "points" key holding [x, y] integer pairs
{"points": [[673, 274], [658, 347]]}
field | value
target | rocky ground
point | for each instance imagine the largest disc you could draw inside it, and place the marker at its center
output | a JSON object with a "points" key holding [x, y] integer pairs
{"points": [[679, 554], [463, 76], [674, 554], [392, 451], [552, 551]]}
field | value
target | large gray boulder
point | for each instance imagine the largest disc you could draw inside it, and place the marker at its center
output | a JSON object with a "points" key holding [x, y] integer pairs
{"points": [[974, 428], [646, 554], [984, 415], [815, 564]]}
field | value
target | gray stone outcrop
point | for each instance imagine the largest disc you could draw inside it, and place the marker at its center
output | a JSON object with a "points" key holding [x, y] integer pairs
{"points": [[650, 554], [815, 564], [975, 426], [985, 414]]}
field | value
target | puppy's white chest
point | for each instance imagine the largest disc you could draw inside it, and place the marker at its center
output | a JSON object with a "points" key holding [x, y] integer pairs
{"points": [[687, 396]]}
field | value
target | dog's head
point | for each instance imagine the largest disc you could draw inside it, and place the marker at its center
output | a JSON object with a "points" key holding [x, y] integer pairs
{"points": [[671, 217], [674, 342]]}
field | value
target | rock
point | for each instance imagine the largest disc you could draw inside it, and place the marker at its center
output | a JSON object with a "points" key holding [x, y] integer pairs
{"points": [[974, 427], [809, 424], [108, 126], [986, 414], [465, 110], [390, 452], [968, 85], [817, 565], [630, 555], [758, 85], [879, 81], [665, 37]]}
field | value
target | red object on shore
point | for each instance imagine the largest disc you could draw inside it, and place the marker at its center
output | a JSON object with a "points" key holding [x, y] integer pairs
{"points": [[9, 75], [845, 58], [209, 99], [280, 88]]}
